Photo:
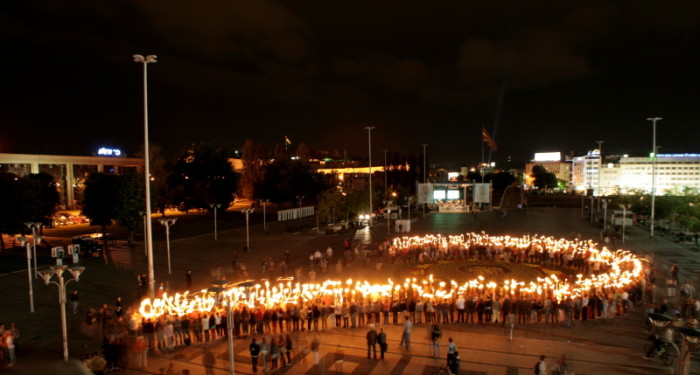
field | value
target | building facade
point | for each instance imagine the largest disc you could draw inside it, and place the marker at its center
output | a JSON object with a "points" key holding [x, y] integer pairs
{"points": [[69, 172], [675, 173]]}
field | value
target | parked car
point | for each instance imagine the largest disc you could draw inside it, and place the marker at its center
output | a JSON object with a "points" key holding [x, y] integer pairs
{"points": [[88, 245]]}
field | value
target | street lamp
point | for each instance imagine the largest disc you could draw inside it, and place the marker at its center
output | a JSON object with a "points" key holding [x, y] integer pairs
{"points": [[25, 243], [61, 284], [247, 212], [425, 180], [150, 59], [215, 207], [300, 197], [653, 172], [369, 141], [167, 223], [34, 226], [624, 219], [691, 341], [265, 215]]}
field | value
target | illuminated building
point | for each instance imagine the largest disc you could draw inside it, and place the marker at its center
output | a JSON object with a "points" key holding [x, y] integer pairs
{"points": [[551, 161], [624, 174], [69, 171]]}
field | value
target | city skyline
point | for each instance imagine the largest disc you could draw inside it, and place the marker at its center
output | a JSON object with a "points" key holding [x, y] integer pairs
{"points": [[539, 77]]}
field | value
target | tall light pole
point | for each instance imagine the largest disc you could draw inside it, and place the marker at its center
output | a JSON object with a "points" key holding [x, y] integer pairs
{"points": [[624, 219], [150, 59], [653, 173], [61, 284], [425, 174], [265, 214], [215, 207], [34, 226], [369, 141], [25, 242], [247, 212], [167, 223], [229, 323]]}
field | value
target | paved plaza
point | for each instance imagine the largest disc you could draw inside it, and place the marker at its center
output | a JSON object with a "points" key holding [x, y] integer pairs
{"points": [[592, 347]]}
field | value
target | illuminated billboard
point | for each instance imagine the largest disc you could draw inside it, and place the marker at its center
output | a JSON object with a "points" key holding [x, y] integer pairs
{"points": [[548, 156]]}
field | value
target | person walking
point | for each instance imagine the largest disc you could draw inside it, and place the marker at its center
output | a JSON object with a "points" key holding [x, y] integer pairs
{"points": [[254, 349], [75, 301], [510, 324], [541, 367], [451, 350], [381, 340], [406, 336], [315, 345], [264, 352], [372, 341], [435, 336]]}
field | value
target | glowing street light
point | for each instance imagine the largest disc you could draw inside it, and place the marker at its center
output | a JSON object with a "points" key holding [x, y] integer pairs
{"points": [[167, 223], [47, 275], [150, 59]]}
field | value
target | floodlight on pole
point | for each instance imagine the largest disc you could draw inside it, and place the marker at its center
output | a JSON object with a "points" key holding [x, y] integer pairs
{"points": [[369, 141], [149, 59], [653, 173]]}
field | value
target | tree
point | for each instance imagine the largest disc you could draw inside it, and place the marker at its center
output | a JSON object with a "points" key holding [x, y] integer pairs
{"points": [[543, 178], [100, 203], [254, 157], [29, 199], [131, 203], [331, 204], [203, 175], [285, 179]]}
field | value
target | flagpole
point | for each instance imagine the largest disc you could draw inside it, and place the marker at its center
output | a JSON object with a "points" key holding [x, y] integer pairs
{"points": [[481, 166]]}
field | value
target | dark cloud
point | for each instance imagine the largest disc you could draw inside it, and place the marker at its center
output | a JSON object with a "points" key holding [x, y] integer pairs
{"points": [[319, 71]]}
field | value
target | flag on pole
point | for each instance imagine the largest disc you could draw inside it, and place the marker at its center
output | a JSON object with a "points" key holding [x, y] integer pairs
{"points": [[287, 141], [487, 138]]}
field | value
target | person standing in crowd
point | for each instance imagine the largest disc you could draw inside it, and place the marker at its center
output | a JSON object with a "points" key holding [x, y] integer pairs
{"points": [[406, 335], [435, 336], [381, 340], [75, 300], [254, 349], [372, 341], [454, 364]]}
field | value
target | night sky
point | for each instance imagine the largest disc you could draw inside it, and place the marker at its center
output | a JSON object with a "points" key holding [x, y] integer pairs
{"points": [[566, 73]]}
